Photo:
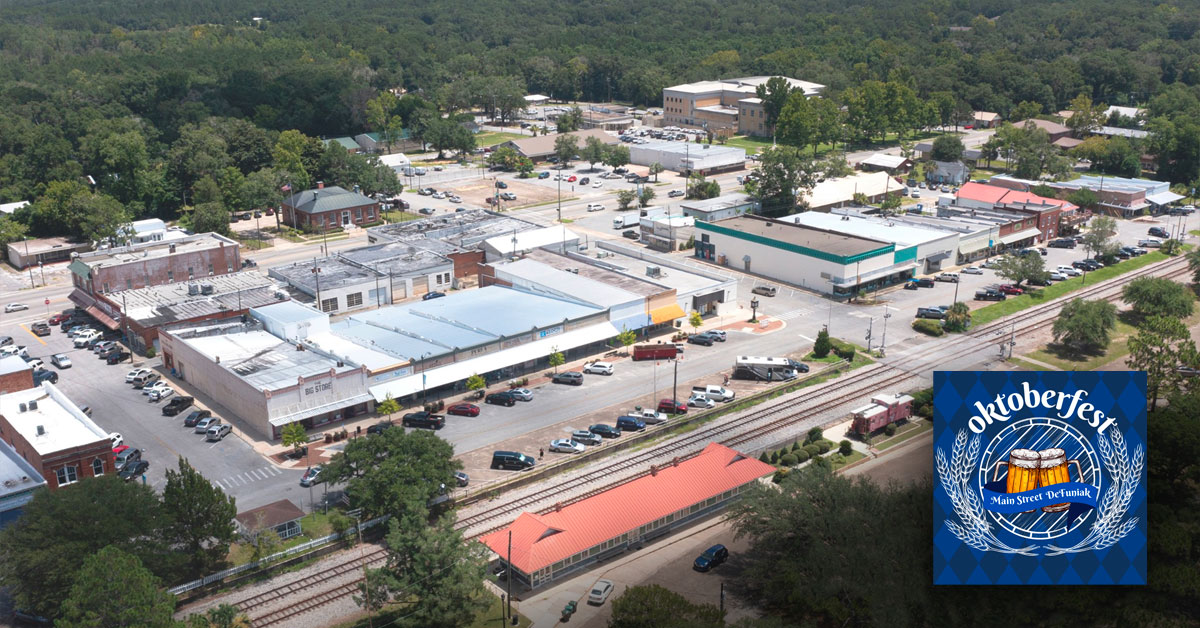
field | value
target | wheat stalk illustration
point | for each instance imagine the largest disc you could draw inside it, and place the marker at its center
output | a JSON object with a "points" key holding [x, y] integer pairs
{"points": [[955, 477]]}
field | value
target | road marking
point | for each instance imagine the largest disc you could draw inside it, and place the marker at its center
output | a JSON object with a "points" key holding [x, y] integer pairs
{"points": [[796, 313], [806, 337], [35, 336]]}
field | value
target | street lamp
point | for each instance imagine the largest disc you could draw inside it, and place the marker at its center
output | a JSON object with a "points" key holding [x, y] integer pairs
{"points": [[886, 315], [754, 310]]}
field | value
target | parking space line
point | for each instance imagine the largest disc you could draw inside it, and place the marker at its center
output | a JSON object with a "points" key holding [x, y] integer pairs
{"points": [[35, 336]]}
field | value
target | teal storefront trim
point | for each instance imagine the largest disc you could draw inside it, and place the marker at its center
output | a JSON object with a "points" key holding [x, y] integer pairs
{"points": [[905, 255], [796, 248]]}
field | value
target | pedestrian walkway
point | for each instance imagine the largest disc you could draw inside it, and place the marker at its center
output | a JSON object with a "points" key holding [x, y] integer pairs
{"points": [[249, 477], [796, 313]]}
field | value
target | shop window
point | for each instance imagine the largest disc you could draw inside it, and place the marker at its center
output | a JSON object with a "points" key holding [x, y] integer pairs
{"points": [[329, 305], [67, 475]]}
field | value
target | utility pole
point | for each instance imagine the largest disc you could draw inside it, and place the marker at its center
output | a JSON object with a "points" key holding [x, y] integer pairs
{"points": [[509, 578], [883, 345], [316, 271], [675, 385]]}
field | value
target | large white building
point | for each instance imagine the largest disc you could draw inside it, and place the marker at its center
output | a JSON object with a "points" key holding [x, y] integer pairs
{"points": [[685, 157], [933, 247], [729, 104]]}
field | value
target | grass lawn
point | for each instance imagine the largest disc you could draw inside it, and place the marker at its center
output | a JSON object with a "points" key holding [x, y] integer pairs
{"points": [[400, 216], [748, 143], [1118, 348], [992, 312], [254, 244], [1029, 366], [904, 433], [315, 526], [854, 456], [490, 617], [491, 138]]}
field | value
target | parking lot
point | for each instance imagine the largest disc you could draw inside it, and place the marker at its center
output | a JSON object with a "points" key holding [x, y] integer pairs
{"points": [[118, 407]]}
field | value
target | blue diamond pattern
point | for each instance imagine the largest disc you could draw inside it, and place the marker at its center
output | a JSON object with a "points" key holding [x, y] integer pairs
{"points": [[1119, 394]]}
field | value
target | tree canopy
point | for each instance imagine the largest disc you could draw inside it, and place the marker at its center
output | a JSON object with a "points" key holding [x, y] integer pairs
{"points": [[1159, 296], [113, 588], [388, 472], [1085, 325]]}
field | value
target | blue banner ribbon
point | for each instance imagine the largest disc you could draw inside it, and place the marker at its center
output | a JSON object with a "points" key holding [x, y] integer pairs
{"points": [[1082, 497]]}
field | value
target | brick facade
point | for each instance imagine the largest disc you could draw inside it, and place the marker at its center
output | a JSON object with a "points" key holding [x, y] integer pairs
{"points": [[81, 459], [17, 380]]}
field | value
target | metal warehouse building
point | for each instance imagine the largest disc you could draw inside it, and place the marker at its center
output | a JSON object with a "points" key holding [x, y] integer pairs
{"points": [[550, 546], [685, 156]]}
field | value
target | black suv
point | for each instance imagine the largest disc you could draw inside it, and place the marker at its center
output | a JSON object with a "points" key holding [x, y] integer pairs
{"points": [[177, 405], [604, 431], [1158, 232], [575, 378], [195, 417], [424, 419], [1062, 243], [925, 282], [501, 399], [989, 295], [380, 427]]}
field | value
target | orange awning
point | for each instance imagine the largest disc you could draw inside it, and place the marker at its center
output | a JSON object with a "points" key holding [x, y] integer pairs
{"points": [[666, 313]]}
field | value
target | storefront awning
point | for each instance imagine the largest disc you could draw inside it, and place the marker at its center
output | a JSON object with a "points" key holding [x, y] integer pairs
{"points": [[99, 315], [300, 415], [520, 354], [937, 257], [855, 280], [81, 298], [1020, 235], [1163, 198], [666, 313], [970, 246]]}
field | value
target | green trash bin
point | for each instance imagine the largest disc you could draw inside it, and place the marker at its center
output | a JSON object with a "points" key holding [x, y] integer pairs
{"points": [[568, 610]]}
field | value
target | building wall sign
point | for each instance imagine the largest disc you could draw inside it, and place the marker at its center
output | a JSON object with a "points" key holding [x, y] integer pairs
{"points": [[550, 331], [318, 387]]}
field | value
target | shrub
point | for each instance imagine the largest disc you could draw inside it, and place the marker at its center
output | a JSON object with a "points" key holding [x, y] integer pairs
{"points": [[823, 345], [801, 456], [783, 452], [837, 459], [780, 474], [788, 460], [923, 403], [845, 352], [813, 450], [763, 457], [823, 446], [795, 445], [150, 352], [844, 448], [774, 457], [890, 430], [928, 327], [814, 435]]}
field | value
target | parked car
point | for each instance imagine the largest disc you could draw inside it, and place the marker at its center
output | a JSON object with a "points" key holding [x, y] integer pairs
{"points": [[432, 295], [1062, 243], [600, 592], [948, 277], [424, 419], [40, 329], [598, 368], [717, 334], [765, 290], [521, 394], [177, 405], [989, 294], [584, 181], [1069, 271], [60, 318], [598, 184], [604, 431], [60, 360], [574, 378], [566, 446], [675, 193], [1056, 276], [15, 307], [586, 437], [117, 441], [43, 375], [380, 427], [103, 346], [671, 406], [971, 270], [149, 388], [461, 479], [463, 409], [931, 312], [503, 398], [1158, 232], [508, 196], [630, 424], [127, 456], [133, 470], [195, 416], [160, 393], [217, 432], [511, 460], [700, 401], [701, 339], [1010, 289], [631, 234], [117, 357], [1038, 281], [311, 476], [1150, 243], [924, 282], [135, 373], [204, 424], [711, 557], [543, 175]]}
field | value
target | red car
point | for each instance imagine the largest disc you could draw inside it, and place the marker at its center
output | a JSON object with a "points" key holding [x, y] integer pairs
{"points": [[118, 449], [463, 409], [59, 318], [571, 179], [1011, 289], [670, 406]]}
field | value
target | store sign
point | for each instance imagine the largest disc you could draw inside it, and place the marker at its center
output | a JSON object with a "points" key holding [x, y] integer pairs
{"points": [[319, 387]]}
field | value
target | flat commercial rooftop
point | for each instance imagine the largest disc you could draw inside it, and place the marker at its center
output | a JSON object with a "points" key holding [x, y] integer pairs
{"points": [[800, 235], [62, 424], [150, 250], [12, 364], [169, 303], [397, 258], [464, 229], [261, 359], [16, 476], [601, 274], [565, 284], [335, 273], [718, 203], [635, 262], [875, 229]]}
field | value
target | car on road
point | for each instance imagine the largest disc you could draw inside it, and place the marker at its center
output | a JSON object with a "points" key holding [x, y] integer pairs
{"points": [[195, 417], [133, 470], [177, 405], [574, 378], [217, 432], [15, 307], [60, 360], [584, 181], [521, 394], [701, 401], [502, 398], [40, 329], [717, 334], [424, 419], [572, 179], [543, 175], [701, 339], [631, 234], [1011, 289], [675, 193], [432, 295], [971, 270], [117, 357], [671, 406], [117, 440], [204, 424], [595, 207], [765, 290], [586, 437], [604, 431], [598, 184], [463, 409], [948, 277], [312, 476], [598, 368], [566, 446], [711, 557], [43, 375], [502, 185], [931, 312], [600, 592], [508, 196]]}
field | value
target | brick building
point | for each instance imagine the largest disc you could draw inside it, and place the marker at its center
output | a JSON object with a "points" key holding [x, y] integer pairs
{"points": [[328, 207], [54, 436], [15, 374], [1051, 215], [148, 264]]}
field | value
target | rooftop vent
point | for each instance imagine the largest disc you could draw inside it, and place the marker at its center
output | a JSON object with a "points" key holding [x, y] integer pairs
{"points": [[193, 289], [653, 271], [41, 430], [206, 288], [33, 405], [23, 407], [172, 249]]}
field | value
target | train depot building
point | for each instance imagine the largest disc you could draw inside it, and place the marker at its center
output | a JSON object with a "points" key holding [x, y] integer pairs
{"points": [[550, 546]]}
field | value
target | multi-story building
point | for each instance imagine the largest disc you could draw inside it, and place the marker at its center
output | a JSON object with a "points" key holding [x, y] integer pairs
{"points": [[730, 104], [54, 436]]}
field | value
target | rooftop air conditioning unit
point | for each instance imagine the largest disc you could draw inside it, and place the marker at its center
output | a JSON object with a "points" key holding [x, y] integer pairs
{"points": [[41, 430], [653, 271], [206, 288], [33, 404], [193, 289]]}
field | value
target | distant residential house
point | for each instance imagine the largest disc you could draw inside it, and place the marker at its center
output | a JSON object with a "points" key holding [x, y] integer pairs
{"points": [[986, 119], [282, 516], [329, 207], [347, 143], [370, 142], [541, 147], [924, 150], [1055, 129], [10, 208], [948, 172], [892, 164]]}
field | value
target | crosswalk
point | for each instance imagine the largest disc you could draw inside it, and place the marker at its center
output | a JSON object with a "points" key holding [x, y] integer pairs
{"points": [[242, 479], [796, 313]]}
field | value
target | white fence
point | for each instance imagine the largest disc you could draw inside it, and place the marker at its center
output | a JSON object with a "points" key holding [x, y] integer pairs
{"points": [[291, 551]]}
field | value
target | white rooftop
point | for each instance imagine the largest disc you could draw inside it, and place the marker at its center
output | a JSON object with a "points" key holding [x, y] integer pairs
{"points": [[56, 424], [901, 235], [264, 361], [395, 160], [145, 226], [8, 208], [745, 85], [566, 285], [884, 161], [12, 364], [532, 239], [16, 476], [833, 191]]}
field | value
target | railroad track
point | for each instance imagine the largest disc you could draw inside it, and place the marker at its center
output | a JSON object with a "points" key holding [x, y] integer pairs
{"points": [[762, 421]]}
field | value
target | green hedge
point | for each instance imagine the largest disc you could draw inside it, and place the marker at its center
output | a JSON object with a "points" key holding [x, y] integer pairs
{"points": [[928, 327]]}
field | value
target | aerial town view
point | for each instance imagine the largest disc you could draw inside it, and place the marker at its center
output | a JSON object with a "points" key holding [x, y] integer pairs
{"points": [[610, 314]]}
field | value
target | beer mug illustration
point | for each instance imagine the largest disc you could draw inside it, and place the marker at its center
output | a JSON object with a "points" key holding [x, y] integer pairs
{"points": [[1024, 471], [1054, 471]]}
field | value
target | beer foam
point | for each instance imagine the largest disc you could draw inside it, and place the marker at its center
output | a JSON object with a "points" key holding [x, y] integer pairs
{"points": [[1052, 457], [1024, 458]]}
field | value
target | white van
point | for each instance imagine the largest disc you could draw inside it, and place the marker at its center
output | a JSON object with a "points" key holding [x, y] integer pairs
{"points": [[595, 207]]}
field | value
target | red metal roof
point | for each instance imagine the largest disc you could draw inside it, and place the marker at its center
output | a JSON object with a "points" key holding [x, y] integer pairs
{"points": [[982, 192], [1017, 196], [541, 540]]}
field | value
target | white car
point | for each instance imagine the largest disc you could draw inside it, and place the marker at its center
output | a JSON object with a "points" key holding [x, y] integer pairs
{"points": [[60, 360], [600, 592], [1056, 276], [598, 184], [1069, 271], [523, 394], [36, 364], [155, 386], [566, 446], [83, 339], [595, 207], [161, 393], [15, 307], [117, 439], [699, 401], [598, 368], [649, 416], [131, 375], [439, 195], [971, 270]]}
